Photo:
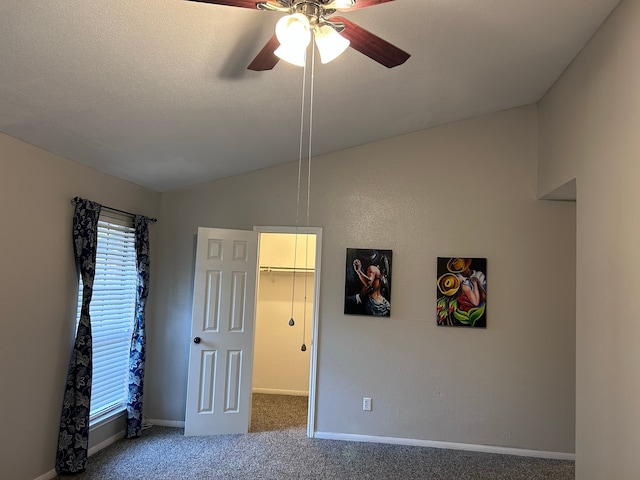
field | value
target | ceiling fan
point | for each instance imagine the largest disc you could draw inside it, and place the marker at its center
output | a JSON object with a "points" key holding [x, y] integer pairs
{"points": [[315, 19]]}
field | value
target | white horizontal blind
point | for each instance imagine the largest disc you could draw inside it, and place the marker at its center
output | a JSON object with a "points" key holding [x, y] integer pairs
{"points": [[112, 314]]}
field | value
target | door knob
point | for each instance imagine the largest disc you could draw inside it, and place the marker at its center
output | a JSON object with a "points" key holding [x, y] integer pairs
{"points": [[196, 340]]}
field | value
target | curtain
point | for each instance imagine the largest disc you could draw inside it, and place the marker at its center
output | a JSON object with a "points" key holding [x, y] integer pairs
{"points": [[73, 437], [137, 352]]}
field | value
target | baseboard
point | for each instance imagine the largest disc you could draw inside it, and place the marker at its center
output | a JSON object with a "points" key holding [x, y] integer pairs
{"points": [[165, 423], [446, 445], [92, 450], [48, 475], [274, 391]]}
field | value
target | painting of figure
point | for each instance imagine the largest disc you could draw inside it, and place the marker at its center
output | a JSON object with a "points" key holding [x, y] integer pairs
{"points": [[462, 292], [368, 282]]}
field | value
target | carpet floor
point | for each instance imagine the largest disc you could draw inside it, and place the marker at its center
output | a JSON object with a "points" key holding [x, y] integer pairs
{"points": [[277, 448]]}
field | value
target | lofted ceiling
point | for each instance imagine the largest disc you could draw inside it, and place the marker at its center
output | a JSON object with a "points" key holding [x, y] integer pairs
{"points": [[157, 91]]}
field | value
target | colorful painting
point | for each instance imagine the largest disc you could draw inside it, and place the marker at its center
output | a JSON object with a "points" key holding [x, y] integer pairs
{"points": [[368, 282], [462, 292]]}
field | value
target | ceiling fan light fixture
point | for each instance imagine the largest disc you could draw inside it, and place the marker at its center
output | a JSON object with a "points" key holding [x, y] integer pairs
{"points": [[340, 4], [294, 56], [294, 31], [330, 43]]}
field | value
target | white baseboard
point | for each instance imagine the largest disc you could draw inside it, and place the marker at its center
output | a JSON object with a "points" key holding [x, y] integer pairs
{"points": [[274, 391], [48, 475], [92, 450], [165, 423], [446, 445]]}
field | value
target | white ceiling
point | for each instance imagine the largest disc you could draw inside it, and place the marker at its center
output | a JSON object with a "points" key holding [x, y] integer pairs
{"points": [[157, 92]]}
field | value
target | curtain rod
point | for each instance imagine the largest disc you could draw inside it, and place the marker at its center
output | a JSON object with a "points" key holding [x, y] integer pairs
{"points": [[152, 220]]}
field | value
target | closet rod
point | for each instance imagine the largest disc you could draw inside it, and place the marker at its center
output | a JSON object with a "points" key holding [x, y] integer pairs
{"points": [[287, 269]]}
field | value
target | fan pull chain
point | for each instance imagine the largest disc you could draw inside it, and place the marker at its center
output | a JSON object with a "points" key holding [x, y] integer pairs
{"points": [[295, 251], [293, 286], [306, 279], [306, 262]]}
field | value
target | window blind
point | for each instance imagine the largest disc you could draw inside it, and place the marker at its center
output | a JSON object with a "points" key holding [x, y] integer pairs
{"points": [[112, 314]]}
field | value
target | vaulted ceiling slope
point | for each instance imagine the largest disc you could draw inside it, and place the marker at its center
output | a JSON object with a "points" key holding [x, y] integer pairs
{"points": [[157, 91]]}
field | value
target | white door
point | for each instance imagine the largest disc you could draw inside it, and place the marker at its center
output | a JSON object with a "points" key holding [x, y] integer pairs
{"points": [[220, 359]]}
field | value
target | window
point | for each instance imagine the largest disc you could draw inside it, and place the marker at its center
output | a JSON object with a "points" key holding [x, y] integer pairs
{"points": [[112, 314]]}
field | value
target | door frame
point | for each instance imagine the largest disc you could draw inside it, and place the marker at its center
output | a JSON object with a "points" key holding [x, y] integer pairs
{"points": [[313, 360]]}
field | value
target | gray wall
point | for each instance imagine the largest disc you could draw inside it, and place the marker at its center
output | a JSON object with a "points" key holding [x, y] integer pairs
{"points": [[464, 189], [38, 294], [590, 131]]}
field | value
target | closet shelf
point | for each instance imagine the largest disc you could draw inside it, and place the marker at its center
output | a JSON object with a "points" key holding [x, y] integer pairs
{"points": [[287, 269]]}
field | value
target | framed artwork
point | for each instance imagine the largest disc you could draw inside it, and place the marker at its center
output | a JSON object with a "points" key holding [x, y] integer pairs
{"points": [[367, 288], [462, 292]]}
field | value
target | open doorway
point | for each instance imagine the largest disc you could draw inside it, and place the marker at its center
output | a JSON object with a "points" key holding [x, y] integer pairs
{"points": [[283, 382]]}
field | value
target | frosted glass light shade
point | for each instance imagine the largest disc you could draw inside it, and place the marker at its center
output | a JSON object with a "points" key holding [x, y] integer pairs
{"points": [[330, 43], [294, 31], [340, 4], [295, 56]]}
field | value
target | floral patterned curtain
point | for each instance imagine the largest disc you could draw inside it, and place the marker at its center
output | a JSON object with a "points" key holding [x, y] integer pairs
{"points": [[137, 352], [73, 438]]}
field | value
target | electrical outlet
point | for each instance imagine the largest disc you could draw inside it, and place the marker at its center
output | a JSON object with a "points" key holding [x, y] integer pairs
{"points": [[366, 404]]}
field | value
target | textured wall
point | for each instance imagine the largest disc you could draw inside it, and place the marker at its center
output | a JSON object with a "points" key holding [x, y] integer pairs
{"points": [[592, 120], [38, 293], [463, 189]]}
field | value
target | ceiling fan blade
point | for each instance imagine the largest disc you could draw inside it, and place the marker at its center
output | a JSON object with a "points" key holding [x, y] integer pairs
{"points": [[367, 3], [232, 3], [370, 45], [266, 59]]}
